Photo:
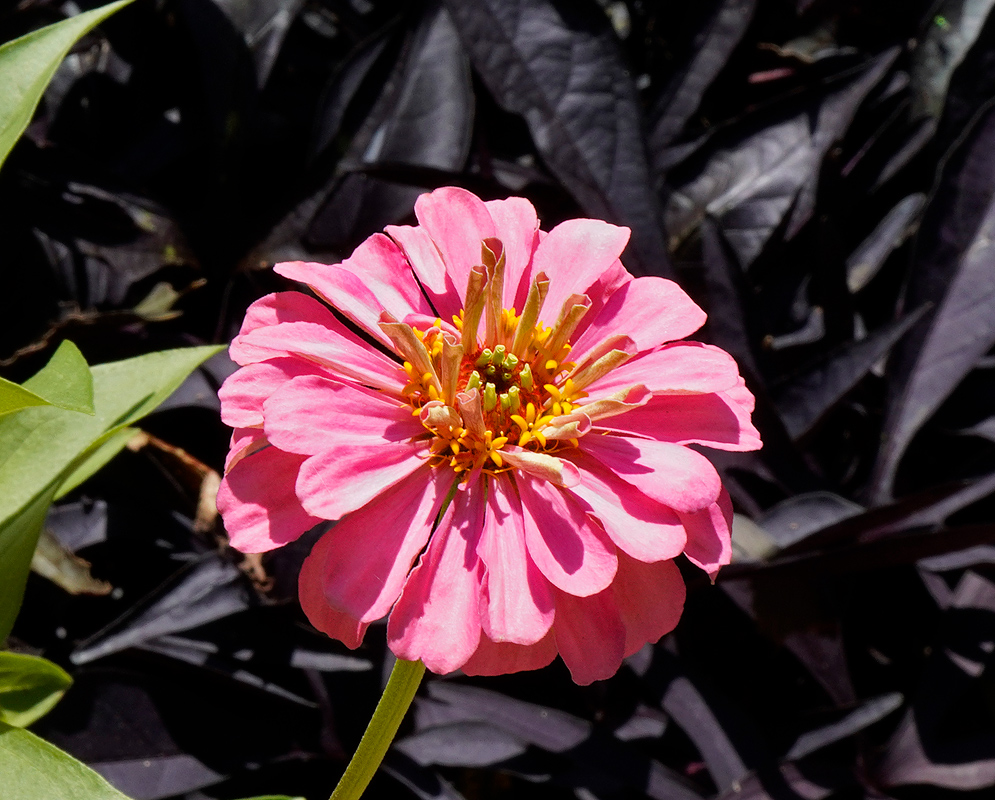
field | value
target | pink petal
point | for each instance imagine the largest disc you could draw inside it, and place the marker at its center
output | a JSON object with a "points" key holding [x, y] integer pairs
{"points": [[427, 264], [281, 307], [711, 419], [517, 605], [325, 341], [569, 548], [668, 473], [709, 535], [517, 226], [650, 599], [436, 617], [458, 222], [575, 255], [679, 368], [589, 635], [258, 504], [244, 441], [639, 526], [650, 310], [337, 624], [244, 391], [501, 658], [312, 414], [336, 482], [372, 550], [376, 278]]}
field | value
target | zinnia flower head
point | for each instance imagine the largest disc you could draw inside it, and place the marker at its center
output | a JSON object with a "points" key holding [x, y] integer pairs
{"points": [[523, 384]]}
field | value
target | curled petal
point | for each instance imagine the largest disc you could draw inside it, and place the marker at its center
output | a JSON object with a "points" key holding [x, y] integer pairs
{"points": [[570, 549], [427, 264], [710, 535], [543, 466], [517, 226]]}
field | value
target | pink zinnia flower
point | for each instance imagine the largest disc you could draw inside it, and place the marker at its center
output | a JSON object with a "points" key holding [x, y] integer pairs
{"points": [[526, 378]]}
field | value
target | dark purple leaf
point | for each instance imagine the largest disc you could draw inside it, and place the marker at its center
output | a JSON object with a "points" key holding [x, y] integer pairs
{"points": [[688, 708], [954, 31], [207, 590], [264, 25], [750, 185], [79, 524], [953, 269], [712, 47], [808, 397], [423, 118], [461, 744], [864, 263], [424, 783], [865, 715], [159, 776], [798, 517], [559, 66]]}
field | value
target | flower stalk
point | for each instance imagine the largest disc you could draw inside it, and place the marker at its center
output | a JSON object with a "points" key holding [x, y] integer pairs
{"points": [[397, 696]]}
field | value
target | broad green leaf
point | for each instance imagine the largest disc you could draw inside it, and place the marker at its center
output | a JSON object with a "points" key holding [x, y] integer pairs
{"points": [[65, 382], [28, 63], [33, 769], [29, 687], [43, 447], [100, 456]]}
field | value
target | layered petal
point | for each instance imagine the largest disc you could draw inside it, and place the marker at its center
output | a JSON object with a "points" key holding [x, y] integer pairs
{"points": [[650, 600], [501, 658], [637, 524], [590, 636], [244, 391], [710, 535], [673, 475], [436, 618], [457, 222], [338, 415], [375, 547], [376, 278], [337, 624], [429, 269], [651, 310], [258, 503], [713, 419], [679, 368], [575, 255], [567, 545], [311, 332], [517, 603]]}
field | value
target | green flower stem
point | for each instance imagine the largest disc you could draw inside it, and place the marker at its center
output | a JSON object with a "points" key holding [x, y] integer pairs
{"points": [[393, 705]]}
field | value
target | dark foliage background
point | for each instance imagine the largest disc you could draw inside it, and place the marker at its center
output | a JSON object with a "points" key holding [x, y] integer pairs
{"points": [[819, 175]]}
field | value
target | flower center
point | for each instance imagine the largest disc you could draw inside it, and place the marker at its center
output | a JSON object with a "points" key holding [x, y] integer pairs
{"points": [[494, 382]]}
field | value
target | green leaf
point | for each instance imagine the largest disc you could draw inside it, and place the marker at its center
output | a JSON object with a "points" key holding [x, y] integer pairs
{"points": [[29, 687], [111, 446], [65, 382], [42, 448], [33, 769], [28, 63]]}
